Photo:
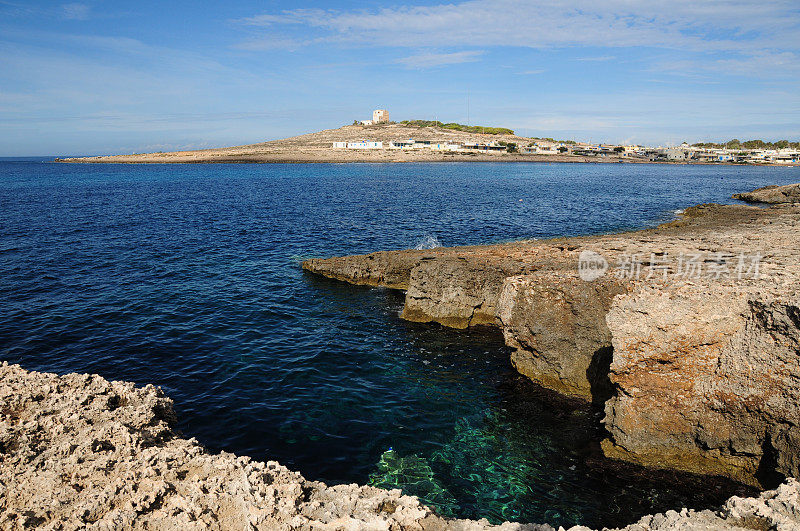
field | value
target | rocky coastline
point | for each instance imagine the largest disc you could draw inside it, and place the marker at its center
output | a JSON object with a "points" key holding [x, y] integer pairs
{"points": [[80, 452], [696, 372]]}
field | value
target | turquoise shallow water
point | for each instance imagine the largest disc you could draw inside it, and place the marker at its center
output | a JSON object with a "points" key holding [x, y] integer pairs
{"points": [[189, 277]]}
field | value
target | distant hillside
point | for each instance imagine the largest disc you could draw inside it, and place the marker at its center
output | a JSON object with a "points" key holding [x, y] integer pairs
{"points": [[478, 129]]}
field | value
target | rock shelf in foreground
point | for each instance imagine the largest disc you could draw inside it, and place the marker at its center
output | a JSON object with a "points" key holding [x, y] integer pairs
{"points": [[80, 452], [695, 373]]}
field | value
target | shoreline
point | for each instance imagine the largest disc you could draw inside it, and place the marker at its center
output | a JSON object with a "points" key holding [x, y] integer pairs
{"points": [[442, 161], [318, 147]]}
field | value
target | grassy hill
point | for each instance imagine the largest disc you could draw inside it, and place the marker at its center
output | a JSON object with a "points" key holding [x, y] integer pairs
{"points": [[477, 129]]}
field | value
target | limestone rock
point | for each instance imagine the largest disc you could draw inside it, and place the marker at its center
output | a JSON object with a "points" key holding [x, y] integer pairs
{"points": [[556, 323], [704, 369], [773, 194], [707, 379], [78, 452]]}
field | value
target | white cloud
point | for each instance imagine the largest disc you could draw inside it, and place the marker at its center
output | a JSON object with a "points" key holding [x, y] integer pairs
{"points": [[75, 11], [736, 25], [599, 59], [429, 60]]}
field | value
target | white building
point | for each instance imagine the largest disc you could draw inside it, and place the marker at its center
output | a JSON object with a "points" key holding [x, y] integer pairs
{"points": [[446, 146], [364, 144], [541, 148]]}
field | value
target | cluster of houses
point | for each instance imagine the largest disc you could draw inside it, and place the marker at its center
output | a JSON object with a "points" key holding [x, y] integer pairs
{"points": [[412, 144], [688, 153], [682, 153]]}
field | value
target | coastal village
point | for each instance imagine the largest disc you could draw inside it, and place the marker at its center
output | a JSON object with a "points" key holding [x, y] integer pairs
{"points": [[683, 153]]}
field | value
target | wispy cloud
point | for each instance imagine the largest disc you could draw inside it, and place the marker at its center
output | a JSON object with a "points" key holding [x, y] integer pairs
{"points": [[430, 60], [75, 11], [599, 59], [531, 72], [676, 24]]}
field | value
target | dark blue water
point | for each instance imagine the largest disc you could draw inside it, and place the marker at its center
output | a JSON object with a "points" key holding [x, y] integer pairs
{"points": [[188, 277]]}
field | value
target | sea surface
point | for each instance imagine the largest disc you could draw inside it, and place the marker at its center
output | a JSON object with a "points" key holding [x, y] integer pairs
{"points": [[188, 277]]}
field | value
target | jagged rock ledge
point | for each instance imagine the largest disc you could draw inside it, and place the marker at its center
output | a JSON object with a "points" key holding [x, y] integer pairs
{"points": [[695, 373], [80, 452], [789, 193]]}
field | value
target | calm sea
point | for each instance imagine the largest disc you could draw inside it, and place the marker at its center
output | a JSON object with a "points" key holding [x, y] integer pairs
{"points": [[188, 277]]}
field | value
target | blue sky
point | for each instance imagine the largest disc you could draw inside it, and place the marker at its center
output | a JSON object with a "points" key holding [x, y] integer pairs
{"points": [[99, 77]]}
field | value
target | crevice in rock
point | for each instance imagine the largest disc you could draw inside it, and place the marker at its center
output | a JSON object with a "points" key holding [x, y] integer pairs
{"points": [[767, 473], [597, 374]]}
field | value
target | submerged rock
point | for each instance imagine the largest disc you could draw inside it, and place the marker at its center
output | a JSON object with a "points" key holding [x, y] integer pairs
{"points": [[80, 452]]}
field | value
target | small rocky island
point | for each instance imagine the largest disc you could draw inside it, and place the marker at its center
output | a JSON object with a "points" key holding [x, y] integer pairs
{"points": [[687, 334]]}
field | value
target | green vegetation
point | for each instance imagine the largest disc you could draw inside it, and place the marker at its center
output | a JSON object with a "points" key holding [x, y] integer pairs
{"points": [[511, 147], [459, 127], [749, 144]]}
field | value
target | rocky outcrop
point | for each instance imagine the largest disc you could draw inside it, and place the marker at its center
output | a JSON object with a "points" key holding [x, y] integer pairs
{"points": [[556, 323], [80, 452], [775, 510], [554, 320], [789, 193], [707, 379], [697, 364]]}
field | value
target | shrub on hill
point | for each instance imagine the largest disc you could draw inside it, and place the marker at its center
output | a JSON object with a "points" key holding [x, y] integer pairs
{"points": [[460, 127]]}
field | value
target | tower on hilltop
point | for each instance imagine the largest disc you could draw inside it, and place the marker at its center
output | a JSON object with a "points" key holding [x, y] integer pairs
{"points": [[380, 116]]}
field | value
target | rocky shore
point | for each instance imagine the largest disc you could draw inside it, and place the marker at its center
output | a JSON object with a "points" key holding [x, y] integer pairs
{"points": [[689, 339], [80, 452]]}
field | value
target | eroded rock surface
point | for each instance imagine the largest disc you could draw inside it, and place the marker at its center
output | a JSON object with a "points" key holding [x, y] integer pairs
{"points": [[789, 193], [707, 379], [556, 323], [80, 452]]}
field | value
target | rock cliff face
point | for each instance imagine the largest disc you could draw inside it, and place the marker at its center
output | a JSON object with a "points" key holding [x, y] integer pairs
{"points": [[556, 323], [697, 371], [707, 379], [80, 452]]}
